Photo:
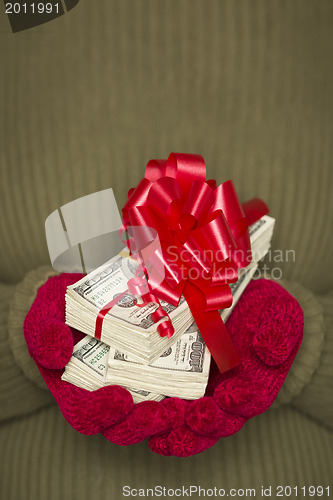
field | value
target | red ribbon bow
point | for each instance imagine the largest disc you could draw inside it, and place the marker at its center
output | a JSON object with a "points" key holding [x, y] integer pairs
{"points": [[204, 240]]}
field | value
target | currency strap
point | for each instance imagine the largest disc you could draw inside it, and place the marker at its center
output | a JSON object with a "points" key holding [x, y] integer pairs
{"points": [[203, 235], [138, 287]]}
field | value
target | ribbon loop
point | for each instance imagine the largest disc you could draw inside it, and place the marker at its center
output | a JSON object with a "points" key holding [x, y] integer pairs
{"points": [[155, 169], [185, 168], [165, 196], [199, 201]]}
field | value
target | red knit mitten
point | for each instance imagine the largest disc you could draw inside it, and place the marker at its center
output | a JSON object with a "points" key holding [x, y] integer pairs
{"points": [[50, 342], [266, 328]]}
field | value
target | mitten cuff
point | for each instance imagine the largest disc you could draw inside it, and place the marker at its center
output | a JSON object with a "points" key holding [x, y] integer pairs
{"points": [[21, 302], [317, 397], [308, 357]]}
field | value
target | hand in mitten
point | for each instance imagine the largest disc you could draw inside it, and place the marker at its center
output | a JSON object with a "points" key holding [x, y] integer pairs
{"points": [[266, 328], [50, 343]]}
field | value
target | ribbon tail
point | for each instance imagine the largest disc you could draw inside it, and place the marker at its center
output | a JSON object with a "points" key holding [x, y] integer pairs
{"points": [[213, 331], [103, 312]]}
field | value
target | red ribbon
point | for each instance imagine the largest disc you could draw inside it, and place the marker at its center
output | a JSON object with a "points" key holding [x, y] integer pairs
{"points": [[204, 240]]}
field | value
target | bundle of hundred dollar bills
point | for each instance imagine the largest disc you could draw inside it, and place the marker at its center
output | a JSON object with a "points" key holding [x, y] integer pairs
{"points": [[131, 353]]}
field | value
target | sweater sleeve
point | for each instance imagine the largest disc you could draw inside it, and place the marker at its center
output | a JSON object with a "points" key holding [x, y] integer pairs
{"points": [[309, 384], [22, 389]]}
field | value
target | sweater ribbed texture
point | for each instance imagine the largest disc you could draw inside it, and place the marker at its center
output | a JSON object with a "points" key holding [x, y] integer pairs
{"points": [[316, 398], [21, 301], [43, 457], [90, 97], [308, 357], [18, 394]]}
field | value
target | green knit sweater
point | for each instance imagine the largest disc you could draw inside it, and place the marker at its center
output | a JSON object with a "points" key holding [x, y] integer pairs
{"points": [[86, 101]]}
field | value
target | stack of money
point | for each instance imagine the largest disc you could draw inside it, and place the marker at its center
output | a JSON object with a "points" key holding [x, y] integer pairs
{"points": [[126, 326], [88, 365], [131, 329], [183, 368], [181, 371]]}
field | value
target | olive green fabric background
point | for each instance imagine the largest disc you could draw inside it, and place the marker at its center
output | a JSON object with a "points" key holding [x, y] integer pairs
{"points": [[86, 100], [89, 98]]}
